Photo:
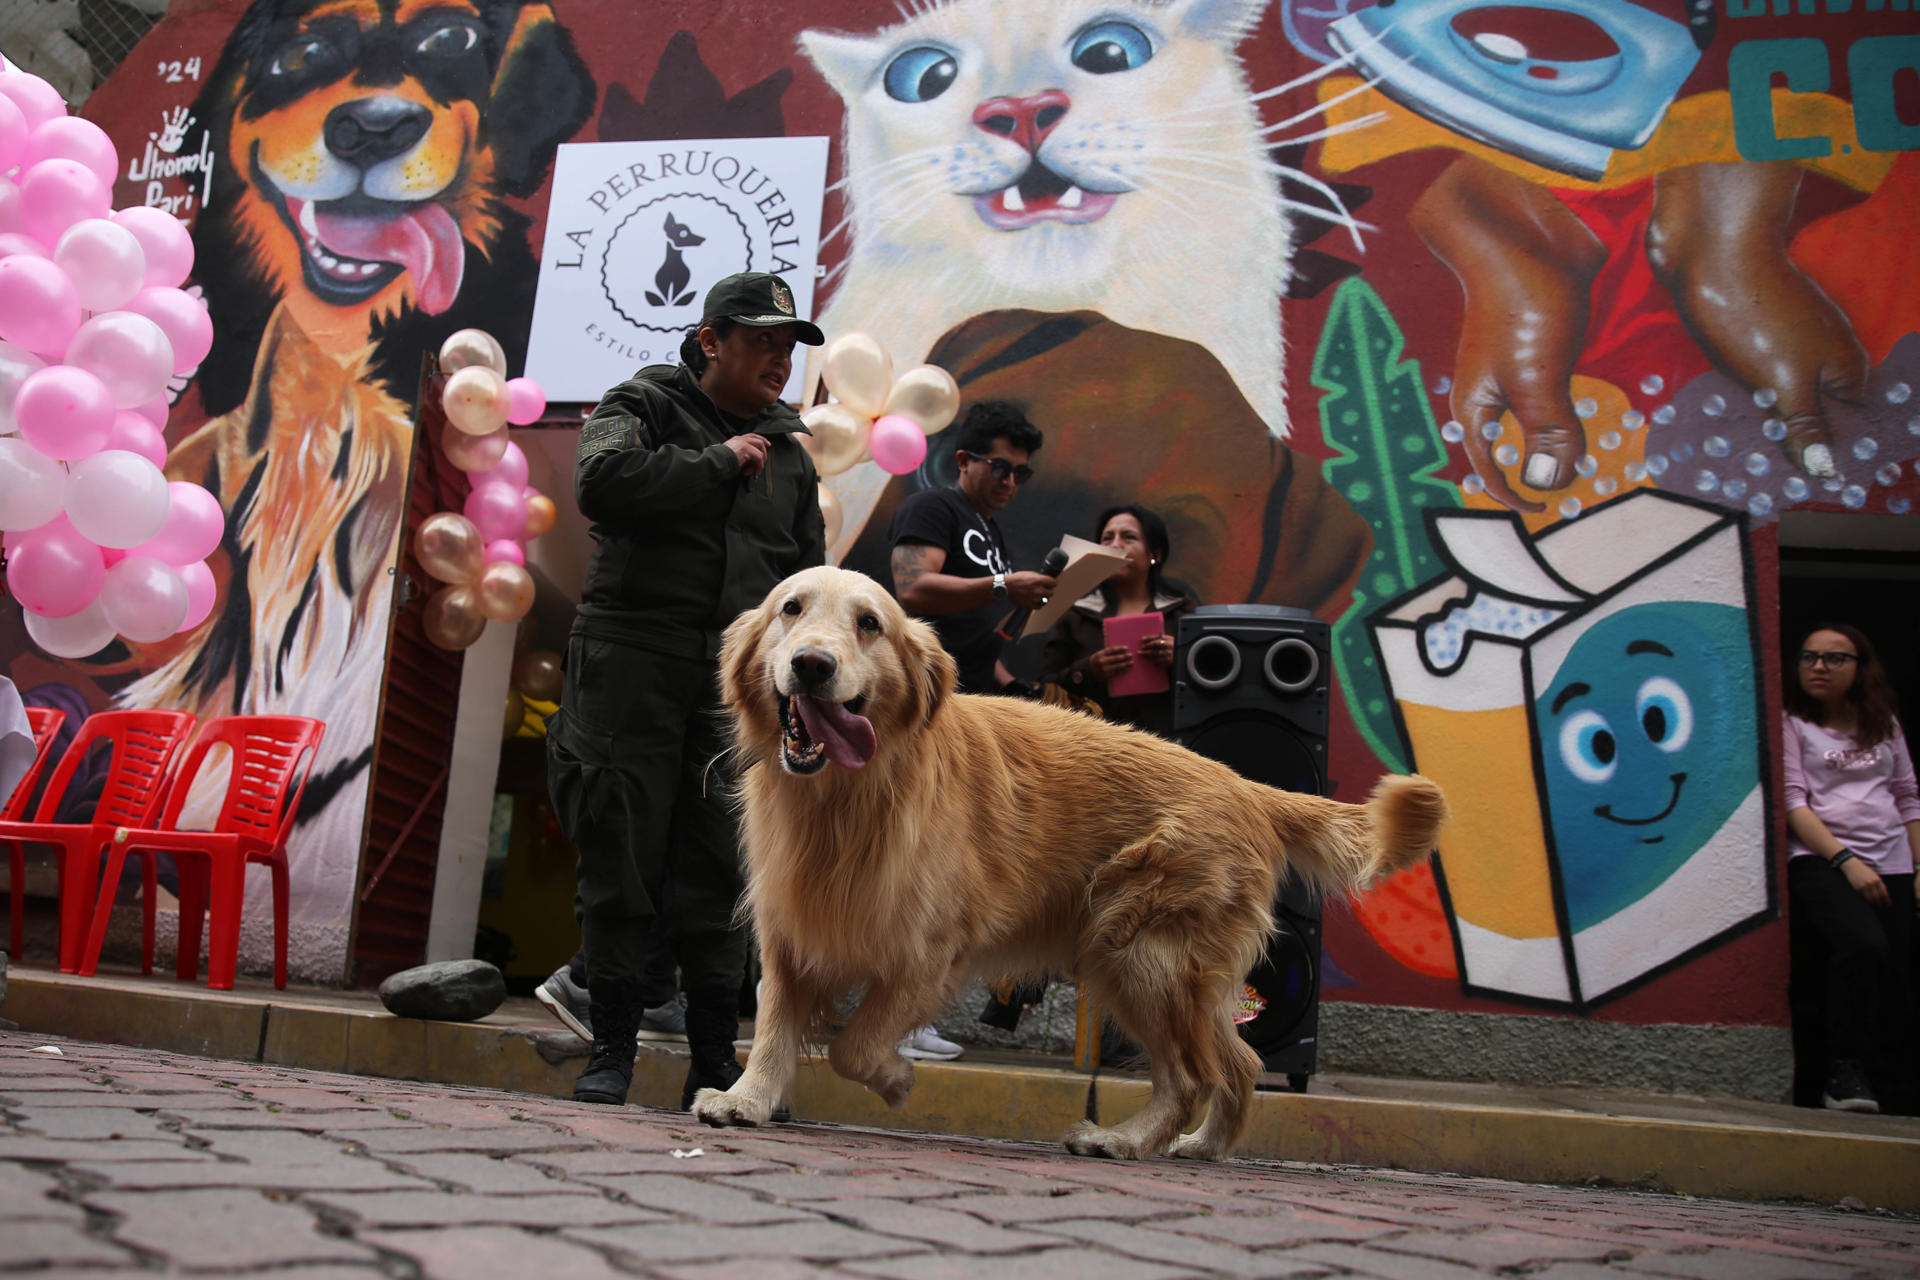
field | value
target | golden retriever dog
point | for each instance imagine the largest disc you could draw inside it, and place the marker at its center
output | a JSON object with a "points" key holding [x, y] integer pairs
{"points": [[904, 838]]}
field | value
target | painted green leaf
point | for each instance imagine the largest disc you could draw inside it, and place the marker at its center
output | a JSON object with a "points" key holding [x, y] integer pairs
{"points": [[1375, 417]]}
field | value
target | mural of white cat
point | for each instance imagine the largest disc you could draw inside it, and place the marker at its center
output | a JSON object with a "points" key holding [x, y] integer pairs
{"points": [[1079, 155]]}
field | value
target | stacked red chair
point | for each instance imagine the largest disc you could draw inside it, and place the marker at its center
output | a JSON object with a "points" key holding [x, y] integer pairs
{"points": [[143, 745], [268, 760], [45, 723]]}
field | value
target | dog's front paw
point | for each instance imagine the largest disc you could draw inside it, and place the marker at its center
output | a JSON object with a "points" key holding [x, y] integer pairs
{"points": [[1195, 1146], [718, 1109], [893, 1082], [1088, 1139]]}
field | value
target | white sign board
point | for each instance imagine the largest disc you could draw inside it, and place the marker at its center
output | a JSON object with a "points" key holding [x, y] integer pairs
{"points": [[638, 231]]}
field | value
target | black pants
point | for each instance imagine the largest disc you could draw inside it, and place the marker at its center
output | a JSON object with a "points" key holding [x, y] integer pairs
{"points": [[635, 771], [1849, 988]]}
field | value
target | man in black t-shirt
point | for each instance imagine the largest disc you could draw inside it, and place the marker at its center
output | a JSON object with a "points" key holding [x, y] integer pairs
{"points": [[949, 560]]}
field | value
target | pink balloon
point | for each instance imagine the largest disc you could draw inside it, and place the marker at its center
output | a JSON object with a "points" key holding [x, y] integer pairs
{"points": [[71, 138], [183, 318], [525, 401], [57, 193], [898, 444], [506, 551], [129, 353], [12, 242], [104, 261], [155, 411], [200, 594], [135, 434], [195, 524], [38, 101], [497, 511], [511, 470], [11, 220], [64, 412], [13, 134], [39, 309], [168, 244], [53, 571], [11, 538], [112, 556], [146, 601]]}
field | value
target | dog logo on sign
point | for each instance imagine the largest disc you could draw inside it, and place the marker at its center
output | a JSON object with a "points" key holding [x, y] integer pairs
{"points": [[670, 281], [704, 239]]}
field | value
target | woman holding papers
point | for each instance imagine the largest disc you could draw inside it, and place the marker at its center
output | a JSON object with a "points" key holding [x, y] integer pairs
{"points": [[1115, 645]]}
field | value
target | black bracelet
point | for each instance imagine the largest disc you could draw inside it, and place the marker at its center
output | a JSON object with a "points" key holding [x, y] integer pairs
{"points": [[1841, 859]]}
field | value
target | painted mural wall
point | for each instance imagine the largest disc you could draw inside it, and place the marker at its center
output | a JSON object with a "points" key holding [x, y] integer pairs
{"points": [[1499, 334]]}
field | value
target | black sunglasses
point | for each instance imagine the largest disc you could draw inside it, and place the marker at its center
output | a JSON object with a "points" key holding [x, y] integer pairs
{"points": [[1001, 468]]}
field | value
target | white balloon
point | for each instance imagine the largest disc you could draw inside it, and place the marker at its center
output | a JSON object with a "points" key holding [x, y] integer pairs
{"points": [[78, 635], [146, 601], [128, 352], [15, 364], [33, 487], [117, 498], [104, 261]]}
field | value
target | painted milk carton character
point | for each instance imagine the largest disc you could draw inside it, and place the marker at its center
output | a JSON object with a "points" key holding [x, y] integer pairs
{"points": [[1588, 699]]}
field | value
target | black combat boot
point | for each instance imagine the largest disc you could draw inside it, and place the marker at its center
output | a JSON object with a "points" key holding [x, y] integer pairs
{"points": [[713, 1021], [609, 1073]]}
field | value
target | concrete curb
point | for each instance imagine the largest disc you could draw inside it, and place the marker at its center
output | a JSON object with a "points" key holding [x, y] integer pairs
{"points": [[1690, 1157]]}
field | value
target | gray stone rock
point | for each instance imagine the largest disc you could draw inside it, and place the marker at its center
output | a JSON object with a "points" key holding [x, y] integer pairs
{"points": [[448, 991]]}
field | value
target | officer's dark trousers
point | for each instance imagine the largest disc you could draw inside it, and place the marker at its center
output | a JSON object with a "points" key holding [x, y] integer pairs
{"points": [[634, 768]]}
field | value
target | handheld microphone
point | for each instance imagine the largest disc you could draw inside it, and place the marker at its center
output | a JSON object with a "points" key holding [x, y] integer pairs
{"points": [[1014, 623]]}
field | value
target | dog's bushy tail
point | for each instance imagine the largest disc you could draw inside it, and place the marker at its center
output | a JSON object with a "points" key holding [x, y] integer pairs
{"points": [[1342, 846]]}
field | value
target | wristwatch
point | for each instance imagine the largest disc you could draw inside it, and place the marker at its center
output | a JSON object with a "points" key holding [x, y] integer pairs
{"points": [[999, 586]]}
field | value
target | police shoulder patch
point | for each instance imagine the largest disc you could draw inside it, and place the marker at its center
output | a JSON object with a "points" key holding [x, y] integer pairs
{"points": [[606, 435]]}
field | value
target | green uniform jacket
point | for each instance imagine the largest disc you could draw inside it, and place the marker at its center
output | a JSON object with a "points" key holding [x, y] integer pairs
{"points": [[683, 541]]}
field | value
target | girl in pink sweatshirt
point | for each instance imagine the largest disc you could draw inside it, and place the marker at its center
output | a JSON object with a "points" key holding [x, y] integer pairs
{"points": [[1853, 824]]}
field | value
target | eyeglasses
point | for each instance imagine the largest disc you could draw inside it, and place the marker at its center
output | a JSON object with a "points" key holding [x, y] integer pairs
{"points": [[1001, 468], [1836, 660]]}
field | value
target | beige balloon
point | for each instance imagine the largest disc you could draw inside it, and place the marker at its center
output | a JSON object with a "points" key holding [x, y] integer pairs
{"points": [[831, 512], [505, 591], [476, 400], [839, 437], [859, 372], [927, 394], [474, 453], [449, 547], [541, 514], [466, 348], [452, 618]]}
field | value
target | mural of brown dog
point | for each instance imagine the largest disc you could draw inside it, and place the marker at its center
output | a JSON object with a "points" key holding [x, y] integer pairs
{"points": [[365, 151]]}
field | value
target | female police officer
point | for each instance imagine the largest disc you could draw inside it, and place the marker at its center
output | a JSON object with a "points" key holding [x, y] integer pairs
{"points": [[701, 500]]}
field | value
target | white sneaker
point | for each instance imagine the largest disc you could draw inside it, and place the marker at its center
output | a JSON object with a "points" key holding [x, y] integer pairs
{"points": [[926, 1043]]}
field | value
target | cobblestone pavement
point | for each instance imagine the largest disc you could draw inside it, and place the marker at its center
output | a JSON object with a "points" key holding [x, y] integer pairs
{"points": [[120, 1160]]}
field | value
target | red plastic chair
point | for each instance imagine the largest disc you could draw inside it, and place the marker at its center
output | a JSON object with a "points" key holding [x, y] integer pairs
{"points": [[271, 757], [45, 723], [144, 744]]}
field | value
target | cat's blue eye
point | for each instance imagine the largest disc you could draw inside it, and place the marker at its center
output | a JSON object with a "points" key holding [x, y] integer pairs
{"points": [[1107, 47], [920, 74]]}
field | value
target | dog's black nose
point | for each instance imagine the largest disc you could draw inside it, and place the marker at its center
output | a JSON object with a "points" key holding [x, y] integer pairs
{"points": [[814, 667], [368, 130]]}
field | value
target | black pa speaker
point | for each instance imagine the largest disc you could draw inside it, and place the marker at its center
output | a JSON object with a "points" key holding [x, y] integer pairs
{"points": [[1250, 691]]}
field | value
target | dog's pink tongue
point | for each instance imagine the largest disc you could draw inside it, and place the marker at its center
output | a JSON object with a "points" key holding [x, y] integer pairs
{"points": [[424, 240], [847, 737]]}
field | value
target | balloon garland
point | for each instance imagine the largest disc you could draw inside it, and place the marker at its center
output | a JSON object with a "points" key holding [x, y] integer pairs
{"points": [[874, 414], [93, 322], [479, 552]]}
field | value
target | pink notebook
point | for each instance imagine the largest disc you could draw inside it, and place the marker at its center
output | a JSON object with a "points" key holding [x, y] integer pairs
{"points": [[1129, 631]]}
